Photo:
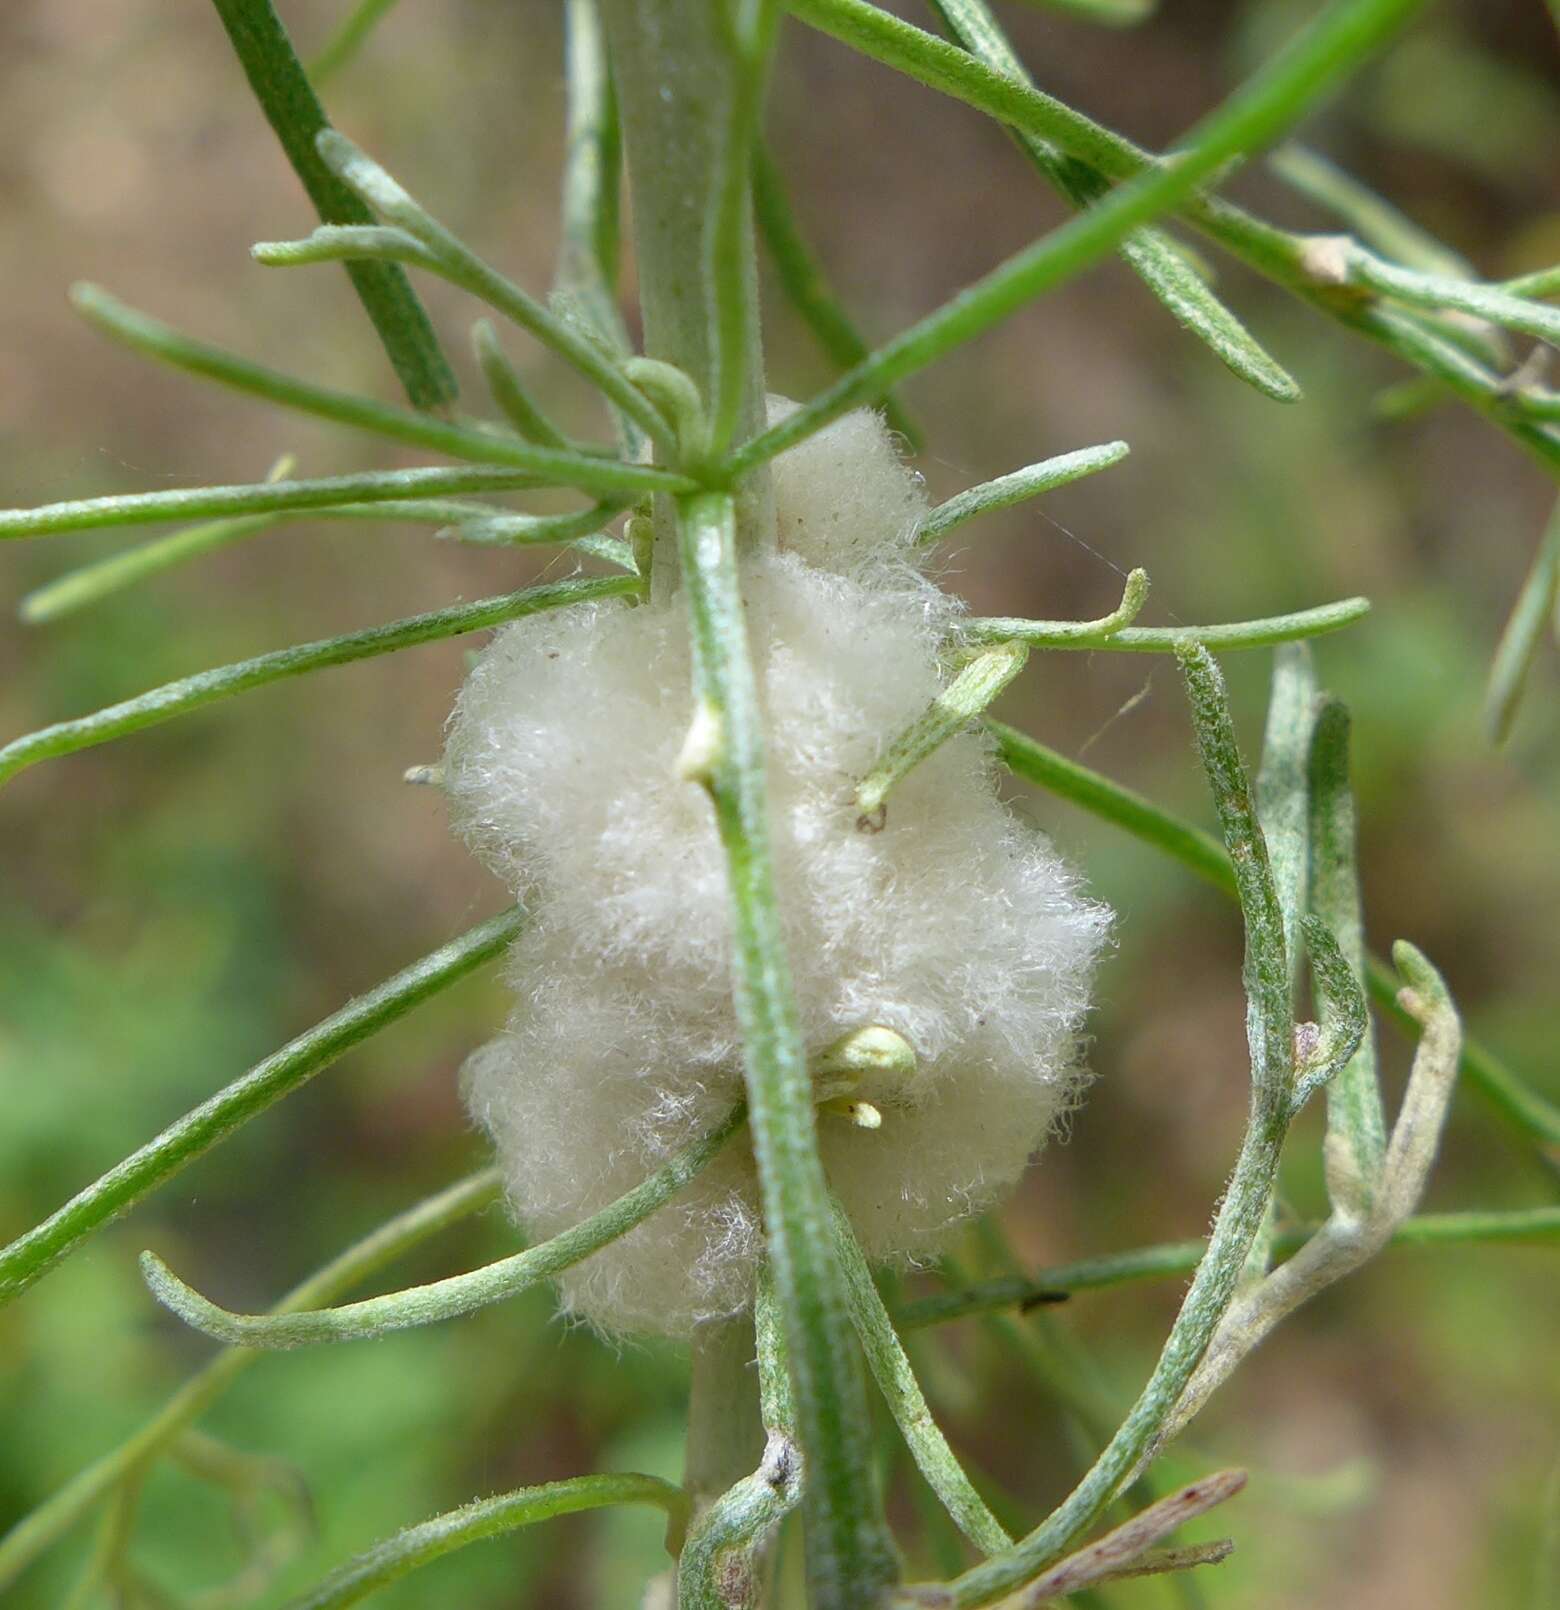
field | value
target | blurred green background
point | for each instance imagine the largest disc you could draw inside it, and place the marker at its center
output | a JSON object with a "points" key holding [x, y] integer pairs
{"points": [[178, 904]]}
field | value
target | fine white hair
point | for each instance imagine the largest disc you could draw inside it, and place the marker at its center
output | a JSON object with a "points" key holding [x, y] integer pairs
{"points": [[952, 923]]}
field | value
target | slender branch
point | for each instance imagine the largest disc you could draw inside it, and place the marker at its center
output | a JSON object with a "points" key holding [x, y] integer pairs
{"points": [[1375, 220], [452, 1297], [1270, 1036], [902, 1393], [1017, 487], [155, 339], [1505, 1091], [32, 1255], [509, 393], [208, 687], [1166, 639], [1524, 627], [1281, 92], [602, 476], [1522, 1226], [588, 246], [849, 1550], [416, 1546], [294, 113], [452, 258], [348, 39], [1154, 256], [1355, 1127], [1351, 1237], [970, 692], [1283, 257]]}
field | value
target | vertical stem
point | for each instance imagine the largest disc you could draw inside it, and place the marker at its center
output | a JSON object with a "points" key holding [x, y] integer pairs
{"points": [[676, 75]]}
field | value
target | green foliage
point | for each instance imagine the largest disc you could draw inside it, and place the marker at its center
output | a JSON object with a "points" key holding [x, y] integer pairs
{"points": [[1287, 853]]}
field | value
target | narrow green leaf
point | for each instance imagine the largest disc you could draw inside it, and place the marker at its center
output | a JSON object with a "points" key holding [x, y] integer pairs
{"points": [[589, 239], [1155, 258], [1171, 1259], [380, 486], [727, 250], [407, 1551], [1341, 1004], [1166, 639], [970, 692], [902, 1393], [294, 113], [803, 280], [1270, 1028], [207, 687], [348, 39], [1536, 602], [1107, 13], [514, 401], [1282, 91], [1283, 788], [461, 266], [1509, 1095], [161, 341], [1374, 219], [35, 1253], [1354, 1114], [456, 1295], [1439, 293], [849, 1549], [1017, 487], [1545, 282]]}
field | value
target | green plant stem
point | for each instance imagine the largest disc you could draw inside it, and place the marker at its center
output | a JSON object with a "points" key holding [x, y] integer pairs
{"points": [[679, 75], [467, 522], [902, 1393], [168, 345], [804, 281], [588, 247], [1277, 254], [1287, 87], [291, 107], [1524, 628], [514, 401], [348, 39], [1376, 221], [1270, 1036], [452, 258], [850, 1558], [458, 1294], [1167, 639], [1529, 1111], [416, 1546], [1155, 257], [601, 476], [32, 1255], [970, 692], [225, 681], [36, 1532], [1017, 487], [1354, 1113], [1521, 1226]]}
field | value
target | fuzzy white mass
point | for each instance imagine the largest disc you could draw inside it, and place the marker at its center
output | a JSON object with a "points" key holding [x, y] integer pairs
{"points": [[955, 924]]}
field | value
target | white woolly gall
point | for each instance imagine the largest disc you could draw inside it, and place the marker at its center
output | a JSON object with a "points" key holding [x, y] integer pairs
{"points": [[954, 930]]}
